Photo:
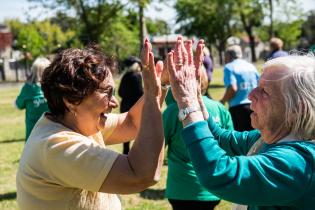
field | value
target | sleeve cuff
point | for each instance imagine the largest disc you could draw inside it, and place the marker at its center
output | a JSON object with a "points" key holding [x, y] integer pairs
{"points": [[211, 123], [196, 132]]}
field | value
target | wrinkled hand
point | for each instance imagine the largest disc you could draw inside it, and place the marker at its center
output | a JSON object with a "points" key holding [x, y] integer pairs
{"points": [[151, 73], [183, 73]]}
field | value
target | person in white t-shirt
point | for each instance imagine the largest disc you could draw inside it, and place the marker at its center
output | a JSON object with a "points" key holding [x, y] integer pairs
{"points": [[65, 164]]}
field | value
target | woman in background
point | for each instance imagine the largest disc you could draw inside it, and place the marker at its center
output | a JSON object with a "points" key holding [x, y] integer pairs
{"points": [[31, 97], [130, 89]]}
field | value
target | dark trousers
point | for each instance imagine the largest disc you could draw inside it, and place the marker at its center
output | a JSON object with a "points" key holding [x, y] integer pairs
{"points": [[193, 205], [241, 117]]}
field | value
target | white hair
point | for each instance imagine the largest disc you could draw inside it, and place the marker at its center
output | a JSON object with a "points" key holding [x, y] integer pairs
{"points": [[206, 51], [298, 88], [235, 51], [37, 69], [135, 67]]}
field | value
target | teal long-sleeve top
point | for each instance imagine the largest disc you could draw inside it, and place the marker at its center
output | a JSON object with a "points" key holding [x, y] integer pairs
{"points": [[278, 176], [182, 182]]}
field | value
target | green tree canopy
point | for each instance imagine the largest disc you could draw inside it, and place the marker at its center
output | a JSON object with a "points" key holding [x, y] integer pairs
{"points": [[211, 20], [30, 40]]}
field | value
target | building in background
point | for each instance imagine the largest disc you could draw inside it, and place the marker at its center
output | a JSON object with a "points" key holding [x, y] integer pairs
{"points": [[6, 40], [164, 44]]}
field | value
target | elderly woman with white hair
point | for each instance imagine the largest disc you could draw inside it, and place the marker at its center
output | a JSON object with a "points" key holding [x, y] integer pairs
{"points": [[31, 97], [272, 167]]}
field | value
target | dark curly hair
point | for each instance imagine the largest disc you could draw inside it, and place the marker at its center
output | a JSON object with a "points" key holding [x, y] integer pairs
{"points": [[74, 74]]}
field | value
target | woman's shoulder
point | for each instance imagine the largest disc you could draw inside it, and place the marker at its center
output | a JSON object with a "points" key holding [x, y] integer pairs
{"points": [[32, 89], [296, 150], [53, 132]]}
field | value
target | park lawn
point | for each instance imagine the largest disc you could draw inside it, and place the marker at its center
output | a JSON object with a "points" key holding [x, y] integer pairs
{"points": [[12, 132]]}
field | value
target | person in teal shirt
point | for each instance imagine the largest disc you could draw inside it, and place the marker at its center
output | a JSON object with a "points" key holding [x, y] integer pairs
{"points": [[270, 168], [31, 97], [183, 189]]}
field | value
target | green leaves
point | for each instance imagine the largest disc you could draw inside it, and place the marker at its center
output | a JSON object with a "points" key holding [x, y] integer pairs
{"points": [[30, 40]]}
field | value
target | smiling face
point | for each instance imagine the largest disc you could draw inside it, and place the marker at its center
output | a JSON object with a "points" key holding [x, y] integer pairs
{"points": [[268, 106], [91, 112]]}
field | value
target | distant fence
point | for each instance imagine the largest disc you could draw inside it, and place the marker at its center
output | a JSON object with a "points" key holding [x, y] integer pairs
{"points": [[13, 70]]}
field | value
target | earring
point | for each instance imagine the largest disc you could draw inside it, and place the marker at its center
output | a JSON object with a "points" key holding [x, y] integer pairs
{"points": [[74, 114]]}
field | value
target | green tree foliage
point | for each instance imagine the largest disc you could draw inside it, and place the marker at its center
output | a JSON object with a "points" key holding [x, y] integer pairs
{"points": [[251, 15], [289, 32], [211, 20], [30, 40], [309, 29], [287, 23], [40, 37], [117, 25], [54, 37], [65, 22], [157, 27], [216, 20], [15, 26], [121, 39], [94, 16]]}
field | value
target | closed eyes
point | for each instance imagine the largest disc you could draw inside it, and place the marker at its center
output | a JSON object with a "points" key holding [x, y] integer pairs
{"points": [[109, 91]]}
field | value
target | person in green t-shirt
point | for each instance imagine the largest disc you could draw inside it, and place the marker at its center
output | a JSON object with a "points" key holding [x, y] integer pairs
{"points": [[31, 97], [182, 187]]}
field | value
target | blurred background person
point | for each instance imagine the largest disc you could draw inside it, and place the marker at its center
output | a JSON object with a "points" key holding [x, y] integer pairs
{"points": [[240, 78], [130, 88], [31, 97], [208, 64], [183, 189], [276, 45]]}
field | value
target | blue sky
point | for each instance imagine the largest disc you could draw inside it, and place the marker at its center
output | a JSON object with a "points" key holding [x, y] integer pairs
{"points": [[20, 9]]}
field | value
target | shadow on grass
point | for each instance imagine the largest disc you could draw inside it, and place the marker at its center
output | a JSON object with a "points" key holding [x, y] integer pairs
{"points": [[11, 141], [8, 196], [153, 194]]}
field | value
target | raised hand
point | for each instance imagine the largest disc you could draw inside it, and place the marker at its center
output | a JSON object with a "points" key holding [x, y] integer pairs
{"points": [[151, 73], [198, 62], [182, 74], [165, 75]]}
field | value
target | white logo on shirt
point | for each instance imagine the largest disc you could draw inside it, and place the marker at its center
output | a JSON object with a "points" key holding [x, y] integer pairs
{"points": [[38, 101]]}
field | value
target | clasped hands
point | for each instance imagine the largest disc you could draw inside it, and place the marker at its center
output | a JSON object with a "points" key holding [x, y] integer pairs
{"points": [[181, 69]]}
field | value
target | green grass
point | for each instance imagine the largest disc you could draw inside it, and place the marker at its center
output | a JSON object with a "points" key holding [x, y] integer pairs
{"points": [[12, 132]]}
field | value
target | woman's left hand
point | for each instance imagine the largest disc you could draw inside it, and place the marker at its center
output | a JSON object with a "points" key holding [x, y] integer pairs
{"points": [[182, 73]]}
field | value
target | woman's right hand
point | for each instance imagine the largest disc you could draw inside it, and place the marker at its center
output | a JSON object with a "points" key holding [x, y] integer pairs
{"points": [[151, 73]]}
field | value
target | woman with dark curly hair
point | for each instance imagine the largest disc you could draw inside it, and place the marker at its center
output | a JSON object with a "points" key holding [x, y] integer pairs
{"points": [[65, 164]]}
